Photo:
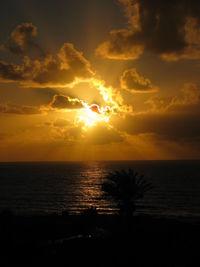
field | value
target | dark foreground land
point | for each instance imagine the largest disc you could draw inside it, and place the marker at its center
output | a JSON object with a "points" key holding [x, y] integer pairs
{"points": [[97, 240]]}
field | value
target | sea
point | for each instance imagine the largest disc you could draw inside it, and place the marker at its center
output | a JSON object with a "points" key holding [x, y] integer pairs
{"points": [[40, 188]]}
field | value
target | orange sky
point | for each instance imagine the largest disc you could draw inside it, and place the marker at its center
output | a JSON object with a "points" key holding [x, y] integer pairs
{"points": [[99, 80]]}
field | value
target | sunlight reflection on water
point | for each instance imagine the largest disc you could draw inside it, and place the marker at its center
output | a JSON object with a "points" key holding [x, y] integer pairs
{"points": [[53, 187]]}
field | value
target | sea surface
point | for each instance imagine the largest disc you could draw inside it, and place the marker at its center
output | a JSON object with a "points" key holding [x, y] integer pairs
{"points": [[52, 187]]}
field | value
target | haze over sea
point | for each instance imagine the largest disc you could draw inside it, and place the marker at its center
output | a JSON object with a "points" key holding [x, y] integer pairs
{"points": [[51, 187]]}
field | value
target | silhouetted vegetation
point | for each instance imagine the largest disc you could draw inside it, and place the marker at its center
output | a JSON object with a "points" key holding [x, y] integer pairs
{"points": [[90, 218], [90, 212], [96, 239], [65, 213], [125, 188]]}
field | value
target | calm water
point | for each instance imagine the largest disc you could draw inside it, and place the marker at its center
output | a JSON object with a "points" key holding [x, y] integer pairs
{"points": [[35, 188]]}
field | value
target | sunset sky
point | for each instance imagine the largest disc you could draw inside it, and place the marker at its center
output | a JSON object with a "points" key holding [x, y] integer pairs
{"points": [[99, 80]]}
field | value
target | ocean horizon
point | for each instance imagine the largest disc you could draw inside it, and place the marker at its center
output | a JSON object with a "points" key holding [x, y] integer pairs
{"points": [[47, 187]]}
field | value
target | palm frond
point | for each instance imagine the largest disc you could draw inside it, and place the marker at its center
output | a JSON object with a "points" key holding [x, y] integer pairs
{"points": [[125, 187]]}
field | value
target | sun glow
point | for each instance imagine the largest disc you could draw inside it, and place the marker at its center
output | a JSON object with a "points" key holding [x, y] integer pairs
{"points": [[92, 114]]}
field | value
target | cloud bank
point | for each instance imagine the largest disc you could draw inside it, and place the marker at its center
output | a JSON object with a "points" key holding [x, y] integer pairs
{"points": [[169, 118], [168, 29]]}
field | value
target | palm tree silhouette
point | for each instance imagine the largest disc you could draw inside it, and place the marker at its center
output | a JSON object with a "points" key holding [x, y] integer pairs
{"points": [[125, 188]]}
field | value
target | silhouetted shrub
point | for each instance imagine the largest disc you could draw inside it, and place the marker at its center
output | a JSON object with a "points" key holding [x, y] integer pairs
{"points": [[125, 188], [65, 213], [6, 215], [89, 219], [90, 212]]}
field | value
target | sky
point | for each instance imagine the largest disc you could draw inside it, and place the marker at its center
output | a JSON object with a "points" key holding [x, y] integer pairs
{"points": [[99, 80]]}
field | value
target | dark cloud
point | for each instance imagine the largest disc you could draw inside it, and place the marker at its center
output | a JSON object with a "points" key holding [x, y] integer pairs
{"points": [[21, 40], [68, 66], [170, 29], [65, 102], [11, 72], [20, 110], [40, 96], [134, 82], [188, 100], [69, 56], [50, 73], [170, 126], [120, 46], [175, 118], [63, 69]]}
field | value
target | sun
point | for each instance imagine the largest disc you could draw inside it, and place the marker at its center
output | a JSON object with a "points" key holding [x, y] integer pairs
{"points": [[92, 114]]}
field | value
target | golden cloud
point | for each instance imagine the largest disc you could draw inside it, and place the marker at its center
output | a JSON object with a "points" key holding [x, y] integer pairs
{"points": [[132, 81], [64, 102], [68, 66]]}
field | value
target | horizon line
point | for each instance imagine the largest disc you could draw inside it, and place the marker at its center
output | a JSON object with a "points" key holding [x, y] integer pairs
{"points": [[79, 161]]}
